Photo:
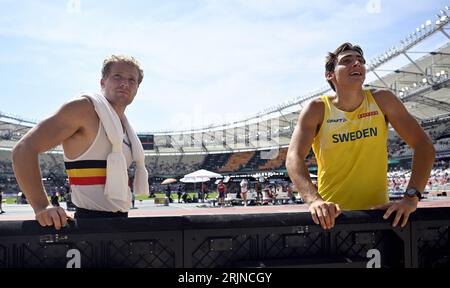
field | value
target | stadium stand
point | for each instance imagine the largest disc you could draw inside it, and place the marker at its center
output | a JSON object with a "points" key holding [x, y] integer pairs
{"points": [[276, 162], [215, 161], [419, 77], [236, 161]]}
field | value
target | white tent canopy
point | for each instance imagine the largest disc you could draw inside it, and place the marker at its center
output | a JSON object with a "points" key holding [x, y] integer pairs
{"points": [[199, 176], [225, 180]]}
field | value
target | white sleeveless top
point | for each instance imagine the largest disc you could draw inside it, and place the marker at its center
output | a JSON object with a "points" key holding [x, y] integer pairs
{"points": [[87, 175]]}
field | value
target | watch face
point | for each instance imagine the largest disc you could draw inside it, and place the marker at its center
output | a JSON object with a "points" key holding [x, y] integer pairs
{"points": [[411, 192]]}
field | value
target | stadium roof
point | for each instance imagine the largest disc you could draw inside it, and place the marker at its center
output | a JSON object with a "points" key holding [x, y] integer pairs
{"points": [[416, 72], [423, 85], [433, 60], [13, 127]]}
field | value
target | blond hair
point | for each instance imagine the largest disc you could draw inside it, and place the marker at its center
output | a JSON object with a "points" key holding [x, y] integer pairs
{"points": [[107, 64]]}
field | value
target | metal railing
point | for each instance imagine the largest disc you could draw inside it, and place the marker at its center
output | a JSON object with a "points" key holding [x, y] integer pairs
{"points": [[359, 239]]}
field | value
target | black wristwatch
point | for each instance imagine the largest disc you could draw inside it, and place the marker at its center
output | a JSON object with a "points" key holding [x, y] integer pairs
{"points": [[413, 192]]}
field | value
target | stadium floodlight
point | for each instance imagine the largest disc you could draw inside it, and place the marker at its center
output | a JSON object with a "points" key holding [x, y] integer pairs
{"points": [[439, 53], [407, 72], [443, 18], [428, 23], [424, 80]]}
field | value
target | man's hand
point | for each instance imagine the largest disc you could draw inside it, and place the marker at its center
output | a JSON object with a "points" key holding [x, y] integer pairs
{"points": [[403, 208], [324, 213], [54, 216]]}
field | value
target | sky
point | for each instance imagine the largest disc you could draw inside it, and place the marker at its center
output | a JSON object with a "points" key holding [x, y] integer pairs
{"points": [[204, 61]]}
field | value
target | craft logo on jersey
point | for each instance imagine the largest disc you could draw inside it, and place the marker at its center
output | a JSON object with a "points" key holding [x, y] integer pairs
{"points": [[339, 120]]}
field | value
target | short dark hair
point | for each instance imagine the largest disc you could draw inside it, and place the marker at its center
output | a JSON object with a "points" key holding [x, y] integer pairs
{"points": [[330, 60]]}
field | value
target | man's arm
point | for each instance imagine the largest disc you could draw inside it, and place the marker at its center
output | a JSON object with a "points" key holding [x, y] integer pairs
{"points": [[25, 157], [309, 122], [411, 132]]}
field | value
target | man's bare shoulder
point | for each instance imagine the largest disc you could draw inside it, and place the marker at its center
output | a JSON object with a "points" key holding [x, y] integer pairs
{"points": [[81, 108], [386, 99], [79, 103], [383, 95], [395, 111], [314, 106], [314, 110]]}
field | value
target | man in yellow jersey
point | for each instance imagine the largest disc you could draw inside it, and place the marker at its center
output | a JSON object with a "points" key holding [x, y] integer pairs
{"points": [[348, 134]]}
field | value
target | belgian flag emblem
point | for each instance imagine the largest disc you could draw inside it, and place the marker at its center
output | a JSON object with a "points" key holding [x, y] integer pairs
{"points": [[86, 172]]}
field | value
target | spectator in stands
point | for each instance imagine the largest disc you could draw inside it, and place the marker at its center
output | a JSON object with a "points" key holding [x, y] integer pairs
{"points": [[152, 191], [69, 203], [272, 193], [88, 128], [290, 194], [133, 195], [205, 191], [1, 202], [201, 192], [221, 190], [348, 134], [180, 192], [244, 190], [258, 189], [54, 199], [21, 198], [133, 200], [169, 193], [186, 198]]}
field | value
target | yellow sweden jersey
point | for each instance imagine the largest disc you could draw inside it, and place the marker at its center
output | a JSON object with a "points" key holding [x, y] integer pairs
{"points": [[351, 153]]}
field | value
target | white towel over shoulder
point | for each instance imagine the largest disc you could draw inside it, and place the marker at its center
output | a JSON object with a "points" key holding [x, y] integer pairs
{"points": [[116, 187]]}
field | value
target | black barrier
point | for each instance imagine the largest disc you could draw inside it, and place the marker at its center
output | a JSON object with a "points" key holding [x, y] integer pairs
{"points": [[293, 240], [430, 236], [133, 242], [359, 239]]}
